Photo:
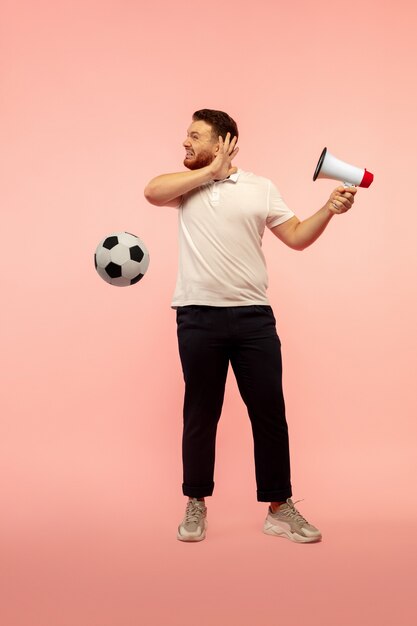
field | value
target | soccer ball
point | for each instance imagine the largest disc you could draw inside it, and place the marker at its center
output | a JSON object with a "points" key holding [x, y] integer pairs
{"points": [[121, 259]]}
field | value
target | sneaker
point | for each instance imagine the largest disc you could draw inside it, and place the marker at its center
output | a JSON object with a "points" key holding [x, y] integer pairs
{"points": [[288, 522], [193, 526]]}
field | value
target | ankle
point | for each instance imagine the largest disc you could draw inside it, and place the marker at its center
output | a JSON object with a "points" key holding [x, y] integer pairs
{"points": [[275, 506]]}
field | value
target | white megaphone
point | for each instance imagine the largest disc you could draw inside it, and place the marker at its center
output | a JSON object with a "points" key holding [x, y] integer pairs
{"points": [[330, 167]]}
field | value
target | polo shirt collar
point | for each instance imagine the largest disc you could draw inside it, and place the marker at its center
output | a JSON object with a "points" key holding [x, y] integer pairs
{"points": [[232, 177]]}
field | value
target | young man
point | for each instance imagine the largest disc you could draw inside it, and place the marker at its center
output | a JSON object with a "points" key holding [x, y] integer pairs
{"points": [[224, 316]]}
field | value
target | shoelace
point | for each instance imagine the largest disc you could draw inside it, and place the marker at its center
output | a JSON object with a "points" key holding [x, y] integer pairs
{"points": [[193, 511], [292, 512]]}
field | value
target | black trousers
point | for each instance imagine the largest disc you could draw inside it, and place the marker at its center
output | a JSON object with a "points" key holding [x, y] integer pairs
{"points": [[209, 338]]}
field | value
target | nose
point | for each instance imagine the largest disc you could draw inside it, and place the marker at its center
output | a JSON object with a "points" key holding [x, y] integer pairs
{"points": [[186, 143]]}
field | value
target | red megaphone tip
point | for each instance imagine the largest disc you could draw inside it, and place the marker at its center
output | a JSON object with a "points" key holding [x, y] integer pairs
{"points": [[367, 179]]}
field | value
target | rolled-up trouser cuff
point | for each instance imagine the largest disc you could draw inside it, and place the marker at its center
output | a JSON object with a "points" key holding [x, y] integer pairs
{"points": [[274, 495], [197, 491]]}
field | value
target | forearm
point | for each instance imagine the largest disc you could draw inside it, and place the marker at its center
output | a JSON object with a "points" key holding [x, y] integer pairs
{"points": [[166, 187], [307, 231]]}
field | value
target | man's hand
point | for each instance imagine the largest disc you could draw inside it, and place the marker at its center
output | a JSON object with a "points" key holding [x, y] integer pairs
{"points": [[341, 200], [221, 166]]}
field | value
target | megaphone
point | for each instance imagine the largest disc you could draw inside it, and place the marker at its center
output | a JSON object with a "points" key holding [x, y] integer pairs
{"points": [[331, 167]]}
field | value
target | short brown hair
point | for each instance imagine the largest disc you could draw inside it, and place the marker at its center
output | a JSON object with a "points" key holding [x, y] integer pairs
{"points": [[221, 123]]}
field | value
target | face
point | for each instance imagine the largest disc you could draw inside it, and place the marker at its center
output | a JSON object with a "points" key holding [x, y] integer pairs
{"points": [[200, 148]]}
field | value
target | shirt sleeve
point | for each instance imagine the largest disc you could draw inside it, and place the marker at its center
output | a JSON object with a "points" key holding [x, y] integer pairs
{"points": [[278, 212]]}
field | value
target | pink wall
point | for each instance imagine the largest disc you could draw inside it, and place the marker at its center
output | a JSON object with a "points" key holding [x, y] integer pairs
{"points": [[96, 98]]}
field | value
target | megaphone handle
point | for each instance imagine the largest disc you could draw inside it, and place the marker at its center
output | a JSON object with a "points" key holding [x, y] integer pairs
{"points": [[345, 184]]}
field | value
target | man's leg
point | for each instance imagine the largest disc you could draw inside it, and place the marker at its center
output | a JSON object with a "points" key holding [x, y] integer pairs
{"points": [[204, 362], [256, 362]]}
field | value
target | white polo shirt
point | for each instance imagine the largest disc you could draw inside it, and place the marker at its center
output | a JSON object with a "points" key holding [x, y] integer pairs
{"points": [[221, 225]]}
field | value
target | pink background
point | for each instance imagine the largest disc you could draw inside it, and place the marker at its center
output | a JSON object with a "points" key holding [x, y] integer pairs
{"points": [[96, 98]]}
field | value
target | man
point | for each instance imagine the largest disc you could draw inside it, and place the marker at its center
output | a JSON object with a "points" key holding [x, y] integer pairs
{"points": [[224, 316]]}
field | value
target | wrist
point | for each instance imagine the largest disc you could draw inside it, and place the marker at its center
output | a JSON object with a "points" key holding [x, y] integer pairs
{"points": [[208, 173], [328, 213], [212, 173]]}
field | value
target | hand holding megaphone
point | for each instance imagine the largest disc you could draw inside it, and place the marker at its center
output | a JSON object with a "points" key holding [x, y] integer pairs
{"points": [[335, 169], [341, 199]]}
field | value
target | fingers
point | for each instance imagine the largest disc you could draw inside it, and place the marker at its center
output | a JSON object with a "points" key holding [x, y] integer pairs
{"points": [[232, 144], [345, 190], [226, 145], [340, 205], [343, 202], [234, 153], [342, 199]]}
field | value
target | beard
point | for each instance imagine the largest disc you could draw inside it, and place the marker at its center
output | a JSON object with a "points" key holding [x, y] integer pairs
{"points": [[201, 160]]}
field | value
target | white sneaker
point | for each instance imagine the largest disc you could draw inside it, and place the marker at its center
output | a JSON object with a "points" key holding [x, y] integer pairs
{"points": [[194, 525], [288, 522]]}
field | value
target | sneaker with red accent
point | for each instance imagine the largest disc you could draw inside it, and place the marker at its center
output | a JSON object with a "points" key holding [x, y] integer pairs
{"points": [[288, 522]]}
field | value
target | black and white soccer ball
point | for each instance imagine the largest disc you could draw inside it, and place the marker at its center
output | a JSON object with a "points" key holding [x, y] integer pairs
{"points": [[121, 259]]}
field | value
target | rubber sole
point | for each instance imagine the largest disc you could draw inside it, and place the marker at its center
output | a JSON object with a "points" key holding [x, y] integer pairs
{"points": [[275, 531]]}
